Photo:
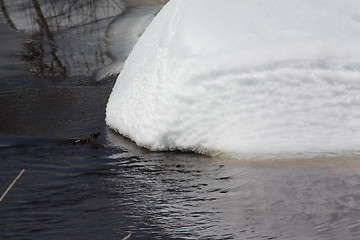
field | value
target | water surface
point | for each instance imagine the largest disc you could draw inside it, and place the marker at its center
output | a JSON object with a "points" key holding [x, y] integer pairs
{"points": [[110, 187]]}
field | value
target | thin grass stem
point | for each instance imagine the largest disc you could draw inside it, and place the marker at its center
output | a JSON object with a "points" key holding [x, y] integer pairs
{"points": [[12, 184]]}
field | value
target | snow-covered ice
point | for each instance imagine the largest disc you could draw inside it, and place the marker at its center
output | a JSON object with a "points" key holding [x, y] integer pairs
{"points": [[244, 77]]}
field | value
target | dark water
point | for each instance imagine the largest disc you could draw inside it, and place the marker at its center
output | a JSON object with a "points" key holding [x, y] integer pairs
{"points": [[109, 188]]}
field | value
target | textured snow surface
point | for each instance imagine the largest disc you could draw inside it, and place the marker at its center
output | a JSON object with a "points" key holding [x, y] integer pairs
{"points": [[244, 77]]}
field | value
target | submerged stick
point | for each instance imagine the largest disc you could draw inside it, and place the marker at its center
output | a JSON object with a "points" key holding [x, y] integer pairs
{"points": [[127, 237], [12, 184]]}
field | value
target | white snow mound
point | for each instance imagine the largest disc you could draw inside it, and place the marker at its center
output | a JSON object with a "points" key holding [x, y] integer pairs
{"points": [[244, 77]]}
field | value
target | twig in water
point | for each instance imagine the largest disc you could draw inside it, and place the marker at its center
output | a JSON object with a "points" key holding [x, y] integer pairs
{"points": [[12, 184], [127, 237]]}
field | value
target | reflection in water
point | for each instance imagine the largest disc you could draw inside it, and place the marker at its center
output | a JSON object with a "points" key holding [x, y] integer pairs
{"points": [[199, 197], [103, 191], [111, 188], [66, 35]]}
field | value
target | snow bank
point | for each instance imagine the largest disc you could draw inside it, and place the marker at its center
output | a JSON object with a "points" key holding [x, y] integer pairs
{"points": [[244, 77], [122, 35]]}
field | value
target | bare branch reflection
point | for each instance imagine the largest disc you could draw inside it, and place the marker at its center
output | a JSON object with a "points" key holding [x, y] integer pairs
{"points": [[6, 14], [66, 36], [56, 65]]}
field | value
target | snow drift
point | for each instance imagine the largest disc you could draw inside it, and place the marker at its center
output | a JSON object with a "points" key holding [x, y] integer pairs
{"points": [[244, 77]]}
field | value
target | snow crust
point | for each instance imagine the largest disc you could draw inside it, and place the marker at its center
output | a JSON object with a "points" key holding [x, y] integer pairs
{"points": [[244, 77]]}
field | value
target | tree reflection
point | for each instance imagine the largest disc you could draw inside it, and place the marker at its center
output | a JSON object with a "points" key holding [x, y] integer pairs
{"points": [[66, 36]]}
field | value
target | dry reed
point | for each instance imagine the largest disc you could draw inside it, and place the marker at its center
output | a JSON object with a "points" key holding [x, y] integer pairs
{"points": [[12, 184]]}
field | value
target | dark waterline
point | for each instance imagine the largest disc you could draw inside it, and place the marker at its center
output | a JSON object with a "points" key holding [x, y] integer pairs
{"points": [[109, 187]]}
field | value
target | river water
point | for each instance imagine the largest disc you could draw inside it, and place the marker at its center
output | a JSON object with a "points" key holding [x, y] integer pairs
{"points": [[110, 188]]}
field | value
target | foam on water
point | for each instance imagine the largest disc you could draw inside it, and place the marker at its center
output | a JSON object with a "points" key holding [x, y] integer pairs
{"points": [[244, 77]]}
